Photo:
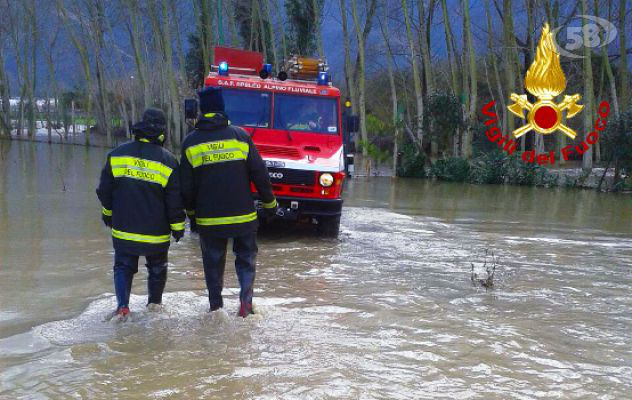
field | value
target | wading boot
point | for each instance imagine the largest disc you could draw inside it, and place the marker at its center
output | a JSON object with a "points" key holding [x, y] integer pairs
{"points": [[153, 307], [245, 309], [121, 315]]}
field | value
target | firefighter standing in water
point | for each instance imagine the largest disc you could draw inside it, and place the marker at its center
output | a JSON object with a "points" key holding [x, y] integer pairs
{"points": [[140, 194], [218, 163]]}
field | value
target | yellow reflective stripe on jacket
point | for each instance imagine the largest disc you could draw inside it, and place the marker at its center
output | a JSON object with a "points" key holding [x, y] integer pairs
{"points": [[239, 219], [138, 168], [271, 204], [106, 212], [216, 152], [137, 237], [178, 226]]}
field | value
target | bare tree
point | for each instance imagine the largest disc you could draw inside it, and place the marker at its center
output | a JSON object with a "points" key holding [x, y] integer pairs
{"points": [[24, 35], [416, 79], [360, 81], [266, 6], [96, 12], [472, 114], [5, 115], [161, 27], [134, 29], [623, 59], [424, 45], [588, 96], [452, 61], [319, 36], [81, 46], [391, 81], [347, 49], [204, 19], [608, 67], [509, 58]]}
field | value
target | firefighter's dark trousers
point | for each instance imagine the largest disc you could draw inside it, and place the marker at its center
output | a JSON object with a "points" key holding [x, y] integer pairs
{"points": [[214, 259], [126, 265]]}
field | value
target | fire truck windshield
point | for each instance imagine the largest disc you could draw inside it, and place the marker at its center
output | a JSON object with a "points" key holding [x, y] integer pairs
{"points": [[304, 113], [247, 108]]}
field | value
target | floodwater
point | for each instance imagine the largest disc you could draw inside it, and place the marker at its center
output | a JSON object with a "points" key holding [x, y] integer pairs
{"points": [[388, 311]]}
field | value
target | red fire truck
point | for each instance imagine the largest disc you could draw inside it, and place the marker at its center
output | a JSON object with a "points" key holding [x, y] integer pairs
{"points": [[295, 120]]}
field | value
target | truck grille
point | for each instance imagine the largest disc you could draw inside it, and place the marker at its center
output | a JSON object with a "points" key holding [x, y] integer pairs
{"points": [[269, 150], [291, 176]]}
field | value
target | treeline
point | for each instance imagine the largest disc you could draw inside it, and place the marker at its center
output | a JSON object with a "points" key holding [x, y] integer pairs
{"points": [[126, 55], [433, 82], [417, 71]]}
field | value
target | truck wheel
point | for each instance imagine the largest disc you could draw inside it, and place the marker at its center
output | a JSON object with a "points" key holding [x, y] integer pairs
{"points": [[329, 226]]}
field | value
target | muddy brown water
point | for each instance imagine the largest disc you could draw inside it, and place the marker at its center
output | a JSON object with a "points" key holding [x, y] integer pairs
{"points": [[388, 311]]}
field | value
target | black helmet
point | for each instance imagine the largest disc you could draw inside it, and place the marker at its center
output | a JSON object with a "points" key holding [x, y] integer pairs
{"points": [[152, 127]]}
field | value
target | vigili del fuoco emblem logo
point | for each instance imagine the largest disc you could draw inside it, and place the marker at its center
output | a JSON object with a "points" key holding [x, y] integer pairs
{"points": [[545, 80]]}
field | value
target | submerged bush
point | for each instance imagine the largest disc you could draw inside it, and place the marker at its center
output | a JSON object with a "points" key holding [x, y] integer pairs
{"points": [[412, 163], [489, 167], [617, 149], [529, 174], [453, 169], [494, 167]]}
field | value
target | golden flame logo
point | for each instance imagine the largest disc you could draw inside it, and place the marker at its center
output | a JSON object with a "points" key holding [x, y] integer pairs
{"points": [[545, 80]]}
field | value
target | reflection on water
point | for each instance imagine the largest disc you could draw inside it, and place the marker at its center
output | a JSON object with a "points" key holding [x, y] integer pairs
{"points": [[387, 311]]}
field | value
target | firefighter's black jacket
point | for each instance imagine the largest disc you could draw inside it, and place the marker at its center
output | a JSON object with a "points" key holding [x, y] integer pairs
{"points": [[218, 163], [140, 189]]}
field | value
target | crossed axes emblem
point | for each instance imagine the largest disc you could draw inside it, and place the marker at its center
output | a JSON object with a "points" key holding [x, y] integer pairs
{"points": [[545, 116]]}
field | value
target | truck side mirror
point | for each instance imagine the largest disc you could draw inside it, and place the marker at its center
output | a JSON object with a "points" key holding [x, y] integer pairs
{"points": [[353, 123], [190, 108]]}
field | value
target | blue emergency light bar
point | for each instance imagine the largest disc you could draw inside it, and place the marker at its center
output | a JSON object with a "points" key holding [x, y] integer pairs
{"points": [[223, 68], [323, 78]]}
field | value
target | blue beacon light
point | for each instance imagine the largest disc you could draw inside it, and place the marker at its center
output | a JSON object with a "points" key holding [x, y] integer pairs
{"points": [[223, 68], [323, 78]]}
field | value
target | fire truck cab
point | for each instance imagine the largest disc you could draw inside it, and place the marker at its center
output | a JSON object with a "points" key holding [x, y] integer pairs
{"points": [[295, 121]]}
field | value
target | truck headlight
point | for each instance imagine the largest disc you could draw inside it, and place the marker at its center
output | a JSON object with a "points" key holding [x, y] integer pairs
{"points": [[326, 180]]}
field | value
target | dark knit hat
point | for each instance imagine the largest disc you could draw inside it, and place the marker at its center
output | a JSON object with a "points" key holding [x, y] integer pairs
{"points": [[152, 126], [155, 117], [211, 100]]}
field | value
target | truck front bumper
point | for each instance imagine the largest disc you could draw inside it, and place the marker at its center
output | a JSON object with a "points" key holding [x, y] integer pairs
{"points": [[293, 208]]}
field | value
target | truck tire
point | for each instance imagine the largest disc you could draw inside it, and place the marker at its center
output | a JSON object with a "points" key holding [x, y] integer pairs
{"points": [[329, 226]]}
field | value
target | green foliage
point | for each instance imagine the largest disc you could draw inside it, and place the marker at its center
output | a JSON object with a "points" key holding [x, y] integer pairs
{"points": [[376, 126], [443, 112], [412, 162], [194, 65], [617, 139], [376, 153], [493, 167], [617, 144], [452, 169], [518, 172], [489, 167], [250, 27], [480, 142], [302, 30]]}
